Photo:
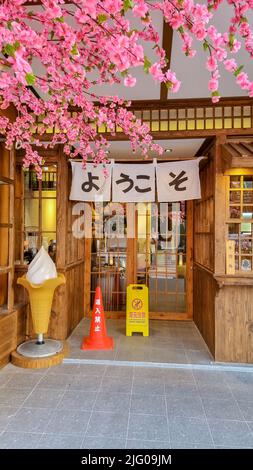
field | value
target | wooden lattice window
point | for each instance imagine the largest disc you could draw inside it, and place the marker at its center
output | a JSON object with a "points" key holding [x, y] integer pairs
{"points": [[6, 228], [240, 220], [36, 225]]}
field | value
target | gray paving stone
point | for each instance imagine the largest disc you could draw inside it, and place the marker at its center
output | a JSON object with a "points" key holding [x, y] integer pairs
{"points": [[189, 431], [181, 390], [103, 424], [90, 383], [68, 422], [234, 378], [60, 441], [242, 392], [139, 444], [57, 381], [4, 378], [23, 381], [114, 402], [43, 398], [102, 443], [191, 446], [173, 376], [19, 440], [231, 433], [222, 409], [119, 371], [148, 427], [152, 404], [13, 397], [6, 413], [71, 369], [198, 357], [77, 400], [209, 377], [148, 386], [216, 391], [113, 384], [30, 420], [91, 369], [149, 372], [190, 407]]}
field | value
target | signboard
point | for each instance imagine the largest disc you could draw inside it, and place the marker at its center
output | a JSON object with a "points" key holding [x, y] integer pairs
{"points": [[137, 316], [178, 181], [230, 257], [133, 183], [175, 181], [91, 183]]}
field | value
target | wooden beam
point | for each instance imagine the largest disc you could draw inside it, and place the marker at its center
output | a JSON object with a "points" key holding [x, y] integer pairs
{"points": [[170, 135], [167, 46]]}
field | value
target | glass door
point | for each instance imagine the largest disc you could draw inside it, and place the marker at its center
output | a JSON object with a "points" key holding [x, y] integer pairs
{"points": [[163, 257], [109, 255]]}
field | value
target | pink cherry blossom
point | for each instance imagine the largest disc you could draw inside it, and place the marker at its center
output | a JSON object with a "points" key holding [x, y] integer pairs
{"points": [[211, 63], [213, 84], [63, 52], [140, 8], [130, 81]]}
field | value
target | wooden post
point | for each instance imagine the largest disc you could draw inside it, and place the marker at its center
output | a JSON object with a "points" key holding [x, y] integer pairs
{"points": [[189, 260], [219, 210], [10, 300]]}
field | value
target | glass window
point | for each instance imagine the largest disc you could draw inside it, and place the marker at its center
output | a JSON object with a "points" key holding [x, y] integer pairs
{"points": [[240, 210], [39, 213]]}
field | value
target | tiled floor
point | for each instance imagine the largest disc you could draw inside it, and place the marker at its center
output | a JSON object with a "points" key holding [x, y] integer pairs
{"points": [[169, 342], [97, 406], [178, 402]]}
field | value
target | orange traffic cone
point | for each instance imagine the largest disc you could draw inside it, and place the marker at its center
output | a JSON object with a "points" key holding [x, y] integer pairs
{"points": [[98, 338]]}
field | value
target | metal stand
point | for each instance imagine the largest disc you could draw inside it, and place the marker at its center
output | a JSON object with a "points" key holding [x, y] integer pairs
{"points": [[40, 347]]}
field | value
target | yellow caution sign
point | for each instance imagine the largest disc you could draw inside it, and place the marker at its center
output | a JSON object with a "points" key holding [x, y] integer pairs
{"points": [[137, 318]]}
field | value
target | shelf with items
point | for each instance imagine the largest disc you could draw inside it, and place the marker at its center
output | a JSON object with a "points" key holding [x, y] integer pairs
{"points": [[239, 222]]}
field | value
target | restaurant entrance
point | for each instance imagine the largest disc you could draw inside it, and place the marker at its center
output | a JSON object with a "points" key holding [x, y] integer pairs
{"points": [[144, 243]]}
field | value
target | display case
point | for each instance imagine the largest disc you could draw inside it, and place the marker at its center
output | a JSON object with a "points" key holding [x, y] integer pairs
{"points": [[240, 220]]}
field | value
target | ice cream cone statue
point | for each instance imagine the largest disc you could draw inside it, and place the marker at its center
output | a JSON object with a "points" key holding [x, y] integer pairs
{"points": [[41, 281]]}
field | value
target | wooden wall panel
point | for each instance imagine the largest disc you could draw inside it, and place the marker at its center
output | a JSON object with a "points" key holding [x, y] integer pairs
{"points": [[204, 305], [234, 324], [8, 334], [204, 284], [4, 219], [204, 218], [12, 332], [75, 284]]}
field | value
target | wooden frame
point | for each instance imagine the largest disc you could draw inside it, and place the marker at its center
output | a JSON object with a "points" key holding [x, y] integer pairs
{"points": [[184, 118], [7, 245], [131, 269], [238, 221], [23, 198]]}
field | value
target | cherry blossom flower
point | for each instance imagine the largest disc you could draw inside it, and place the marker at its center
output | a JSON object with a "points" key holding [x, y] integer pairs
{"points": [[63, 51]]}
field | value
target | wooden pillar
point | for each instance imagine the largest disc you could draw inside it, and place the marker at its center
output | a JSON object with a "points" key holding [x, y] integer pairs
{"points": [[59, 321], [219, 210]]}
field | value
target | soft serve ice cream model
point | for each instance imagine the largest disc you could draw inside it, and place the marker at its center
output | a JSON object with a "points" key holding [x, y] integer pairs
{"points": [[41, 268], [41, 281]]}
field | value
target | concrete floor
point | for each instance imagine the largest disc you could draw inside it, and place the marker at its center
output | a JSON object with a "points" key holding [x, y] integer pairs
{"points": [[89, 406], [169, 342]]}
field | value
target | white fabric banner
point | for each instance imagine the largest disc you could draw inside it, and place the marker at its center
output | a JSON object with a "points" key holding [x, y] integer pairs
{"points": [[178, 181], [133, 182], [90, 184]]}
